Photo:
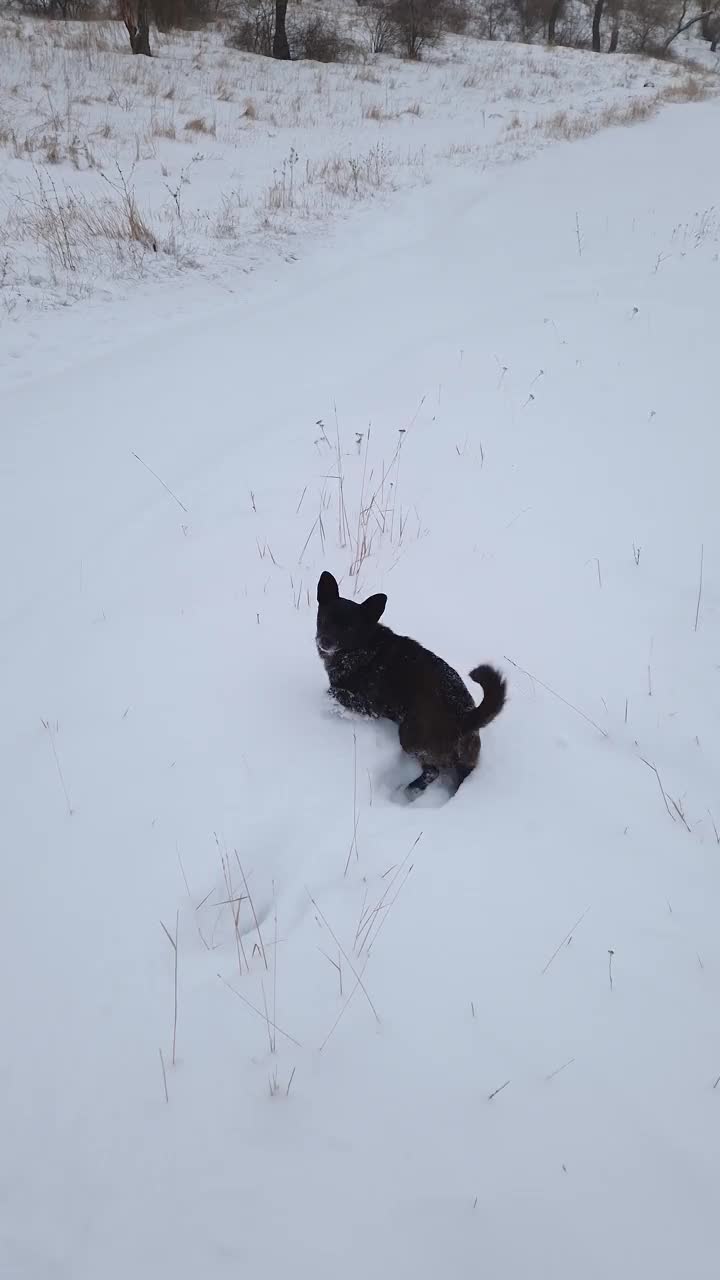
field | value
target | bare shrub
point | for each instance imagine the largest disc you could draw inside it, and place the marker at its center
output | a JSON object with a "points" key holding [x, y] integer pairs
{"points": [[644, 23], [319, 39], [456, 16], [352, 176], [572, 29], [491, 19], [418, 23], [69, 225], [530, 18], [255, 30], [380, 28], [183, 15], [62, 10]]}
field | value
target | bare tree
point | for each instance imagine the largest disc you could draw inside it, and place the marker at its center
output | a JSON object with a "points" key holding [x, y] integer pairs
{"points": [[281, 47], [596, 22], [254, 32], [490, 19], [684, 23], [615, 11], [134, 14], [531, 17], [710, 24], [554, 12]]}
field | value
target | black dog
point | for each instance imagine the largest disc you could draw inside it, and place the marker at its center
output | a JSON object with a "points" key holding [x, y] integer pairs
{"points": [[375, 672]]}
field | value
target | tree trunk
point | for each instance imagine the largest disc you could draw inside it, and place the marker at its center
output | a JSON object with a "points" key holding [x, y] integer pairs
{"points": [[135, 16], [142, 35], [553, 16], [281, 48], [597, 19], [614, 35]]}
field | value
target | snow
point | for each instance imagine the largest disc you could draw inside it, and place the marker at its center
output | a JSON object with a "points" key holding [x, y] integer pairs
{"points": [[230, 162], [517, 1076]]}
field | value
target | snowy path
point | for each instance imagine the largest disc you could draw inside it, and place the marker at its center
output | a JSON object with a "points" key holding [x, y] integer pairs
{"points": [[547, 337]]}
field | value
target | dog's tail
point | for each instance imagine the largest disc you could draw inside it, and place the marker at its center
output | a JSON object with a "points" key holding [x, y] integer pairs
{"points": [[495, 692]]}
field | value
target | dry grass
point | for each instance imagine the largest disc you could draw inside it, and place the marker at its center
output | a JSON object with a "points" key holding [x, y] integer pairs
{"points": [[373, 111], [201, 125], [367, 75], [68, 225], [568, 126]]}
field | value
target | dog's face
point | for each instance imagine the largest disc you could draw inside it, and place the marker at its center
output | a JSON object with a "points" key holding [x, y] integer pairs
{"points": [[343, 625]]}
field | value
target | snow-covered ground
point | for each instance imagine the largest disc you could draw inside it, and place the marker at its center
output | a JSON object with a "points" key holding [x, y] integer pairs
{"points": [[196, 167], [255, 1016]]}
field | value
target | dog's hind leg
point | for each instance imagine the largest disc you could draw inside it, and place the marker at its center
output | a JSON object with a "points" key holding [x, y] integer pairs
{"points": [[416, 788], [460, 773]]}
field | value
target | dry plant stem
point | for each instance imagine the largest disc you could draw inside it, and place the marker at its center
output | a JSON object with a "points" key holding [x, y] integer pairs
{"points": [[252, 908], [342, 514], [269, 1025], [557, 1070], [341, 1014], [565, 940], [235, 903], [46, 725], [495, 1092], [258, 1012], [305, 544], [162, 482], [275, 962], [700, 587], [362, 547], [174, 944], [187, 888], [356, 816], [367, 918], [557, 695], [336, 965], [662, 789], [371, 941], [679, 811], [344, 953], [182, 871], [164, 1075]]}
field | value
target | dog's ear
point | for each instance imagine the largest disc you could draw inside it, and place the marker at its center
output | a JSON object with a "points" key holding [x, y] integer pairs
{"points": [[327, 588], [374, 607]]}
